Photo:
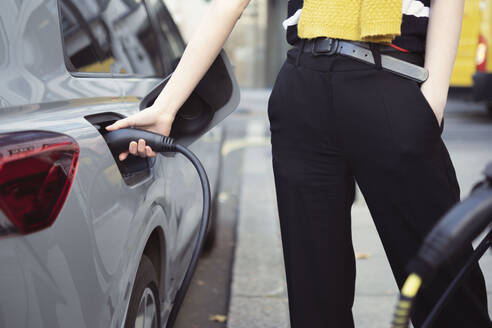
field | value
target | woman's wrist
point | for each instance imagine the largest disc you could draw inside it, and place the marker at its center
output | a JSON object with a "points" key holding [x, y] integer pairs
{"points": [[164, 111], [436, 95], [439, 88]]}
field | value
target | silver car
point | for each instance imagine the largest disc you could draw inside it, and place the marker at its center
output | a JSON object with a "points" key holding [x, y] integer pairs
{"points": [[87, 240]]}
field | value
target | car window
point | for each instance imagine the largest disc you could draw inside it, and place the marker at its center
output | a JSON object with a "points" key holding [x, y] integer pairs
{"points": [[172, 40], [80, 38], [135, 44], [110, 36]]}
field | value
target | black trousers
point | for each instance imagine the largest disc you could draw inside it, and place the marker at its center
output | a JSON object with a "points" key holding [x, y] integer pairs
{"points": [[334, 121]]}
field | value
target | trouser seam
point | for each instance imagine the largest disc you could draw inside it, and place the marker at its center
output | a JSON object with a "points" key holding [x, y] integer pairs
{"points": [[392, 151]]}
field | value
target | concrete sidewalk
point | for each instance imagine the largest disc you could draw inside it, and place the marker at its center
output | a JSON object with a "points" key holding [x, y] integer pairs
{"points": [[258, 295]]}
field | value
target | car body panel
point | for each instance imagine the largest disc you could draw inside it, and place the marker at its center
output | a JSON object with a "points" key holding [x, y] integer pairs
{"points": [[80, 271]]}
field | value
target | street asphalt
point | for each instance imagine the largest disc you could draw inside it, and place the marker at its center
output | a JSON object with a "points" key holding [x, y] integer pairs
{"points": [[241, 283], [207, 300]]}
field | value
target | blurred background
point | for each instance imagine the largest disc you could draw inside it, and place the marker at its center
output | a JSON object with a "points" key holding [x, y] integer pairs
{"points": [[257, 45]]}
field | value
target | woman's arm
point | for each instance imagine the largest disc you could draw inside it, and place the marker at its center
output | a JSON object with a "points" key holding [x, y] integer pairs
{"points": [[204, 46], [443, 35]]}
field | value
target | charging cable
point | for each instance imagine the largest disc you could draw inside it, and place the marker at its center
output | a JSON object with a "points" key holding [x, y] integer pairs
{"points": [[118, 142], [461, 225]]}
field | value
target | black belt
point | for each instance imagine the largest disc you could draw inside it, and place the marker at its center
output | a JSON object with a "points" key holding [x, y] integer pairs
{"points": [[362, 52]]}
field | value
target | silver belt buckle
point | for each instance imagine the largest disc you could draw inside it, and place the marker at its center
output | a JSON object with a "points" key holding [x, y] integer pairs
{"points": [[333, 45]]}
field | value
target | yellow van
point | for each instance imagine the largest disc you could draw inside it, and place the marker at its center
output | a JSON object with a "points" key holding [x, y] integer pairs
{"points": [[482, 79], [465, 65]]}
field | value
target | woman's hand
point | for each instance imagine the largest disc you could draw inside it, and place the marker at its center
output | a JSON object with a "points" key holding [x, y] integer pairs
{"points": [[436, 97], [203, 48], [150, 119]]}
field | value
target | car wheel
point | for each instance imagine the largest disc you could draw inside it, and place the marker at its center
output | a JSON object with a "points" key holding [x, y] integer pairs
{"points": [[144, 309], [212, 227]]}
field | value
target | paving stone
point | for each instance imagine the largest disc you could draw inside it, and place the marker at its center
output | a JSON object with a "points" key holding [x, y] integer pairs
{"points": [[373, 311], [259, 312], [258, 295]]}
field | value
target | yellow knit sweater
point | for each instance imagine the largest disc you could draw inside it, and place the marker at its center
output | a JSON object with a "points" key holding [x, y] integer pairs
{"points": [[359, 20]]}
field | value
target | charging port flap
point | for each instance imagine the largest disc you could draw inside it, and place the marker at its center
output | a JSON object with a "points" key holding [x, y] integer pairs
{"points": [[214, 98]]}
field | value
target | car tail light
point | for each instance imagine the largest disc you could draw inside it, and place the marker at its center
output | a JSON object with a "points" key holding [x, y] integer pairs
{"points": [[36, 172], [482, 49]]}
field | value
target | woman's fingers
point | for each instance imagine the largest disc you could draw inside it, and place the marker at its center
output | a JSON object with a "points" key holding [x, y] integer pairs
{"points": [[148, 119], [149, 152], [138, 149], [120, 124], [132, 148], [141, 148], [123, 156]]}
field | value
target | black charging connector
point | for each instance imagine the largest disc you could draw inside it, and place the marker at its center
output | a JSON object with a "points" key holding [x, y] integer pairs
{"points": [[118, 142], [461, 225]]}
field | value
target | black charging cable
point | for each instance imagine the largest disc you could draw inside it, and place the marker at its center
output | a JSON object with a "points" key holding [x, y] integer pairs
{"points": [[118, 142], [460, 226]]}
